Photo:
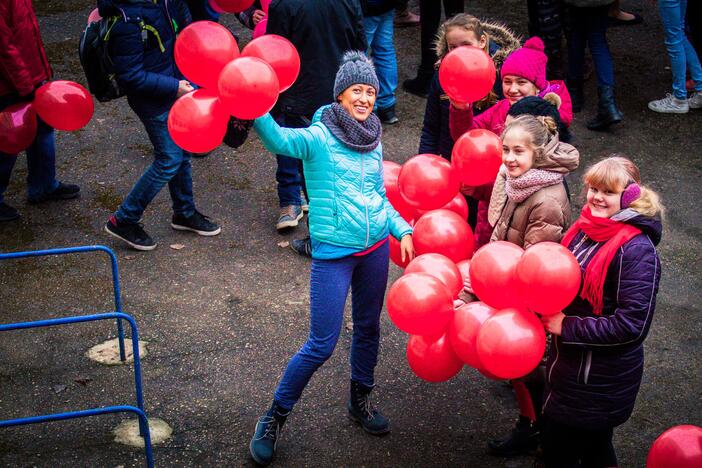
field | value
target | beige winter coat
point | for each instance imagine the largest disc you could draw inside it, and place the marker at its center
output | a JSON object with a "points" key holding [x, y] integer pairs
{"points": [[545, 215]]}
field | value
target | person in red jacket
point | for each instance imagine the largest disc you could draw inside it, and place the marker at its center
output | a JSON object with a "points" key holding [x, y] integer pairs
{"points": [[23, 68]]}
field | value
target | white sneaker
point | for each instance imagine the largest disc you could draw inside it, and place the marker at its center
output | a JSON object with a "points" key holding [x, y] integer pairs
{"points": [[669, 105], [695, 101]]}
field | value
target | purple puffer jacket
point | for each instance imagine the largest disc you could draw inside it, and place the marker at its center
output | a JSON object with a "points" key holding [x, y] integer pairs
{"points": [[594, 368]]}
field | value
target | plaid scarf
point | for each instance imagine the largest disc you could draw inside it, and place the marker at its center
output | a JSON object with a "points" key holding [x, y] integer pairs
{"points": [[358, 136]]}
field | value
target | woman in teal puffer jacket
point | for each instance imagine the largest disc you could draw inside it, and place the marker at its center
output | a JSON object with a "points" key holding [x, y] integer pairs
{"points": [[350, 221]]}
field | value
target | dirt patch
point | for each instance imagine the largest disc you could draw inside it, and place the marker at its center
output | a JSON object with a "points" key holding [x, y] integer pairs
{"points": [[52, 7]]}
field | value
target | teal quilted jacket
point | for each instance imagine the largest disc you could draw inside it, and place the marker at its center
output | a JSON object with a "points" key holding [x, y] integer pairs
{"points": [[348, 206]]}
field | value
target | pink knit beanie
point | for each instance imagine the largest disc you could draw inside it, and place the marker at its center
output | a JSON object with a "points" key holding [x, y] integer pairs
{"points": [[528, 62]]}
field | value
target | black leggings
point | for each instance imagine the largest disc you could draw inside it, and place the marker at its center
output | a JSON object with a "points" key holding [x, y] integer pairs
{"points": [[571, 447], [430, 17]]}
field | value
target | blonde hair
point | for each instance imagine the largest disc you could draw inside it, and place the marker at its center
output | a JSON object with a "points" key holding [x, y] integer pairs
{"points": [[465, 22], [617, 172], [541, 130]]}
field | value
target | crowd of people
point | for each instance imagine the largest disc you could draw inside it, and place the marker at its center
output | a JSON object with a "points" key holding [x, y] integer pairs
{"points": [[326, 134]]}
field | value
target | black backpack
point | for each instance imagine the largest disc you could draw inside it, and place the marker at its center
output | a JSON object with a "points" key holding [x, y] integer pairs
{"points": [[95, 58]]}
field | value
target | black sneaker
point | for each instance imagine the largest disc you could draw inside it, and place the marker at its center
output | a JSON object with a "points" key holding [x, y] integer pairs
{"points": [[133, 234], [388, 116], [197, 223], [62, 192], [8, 213], [418, 86], [302, 247], [523, 440], [362, 411]]}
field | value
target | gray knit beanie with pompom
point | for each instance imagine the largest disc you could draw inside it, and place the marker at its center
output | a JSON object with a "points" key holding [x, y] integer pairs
{"points": [[355, 68]]}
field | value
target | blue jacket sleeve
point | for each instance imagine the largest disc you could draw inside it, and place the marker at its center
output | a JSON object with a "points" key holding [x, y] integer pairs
{"points": [[429, 140], [398, 226], [294, 142], [127, 53], [636, 289]]}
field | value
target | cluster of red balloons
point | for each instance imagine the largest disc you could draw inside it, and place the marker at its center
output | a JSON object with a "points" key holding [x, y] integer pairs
{"points": [[245, 85], [63, 105], [678, 447]]}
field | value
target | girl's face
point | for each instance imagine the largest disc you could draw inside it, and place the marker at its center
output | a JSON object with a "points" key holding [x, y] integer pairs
{"points": [[358, 100], [517, 152], [457, 37], [515, 87], [603, 202]]}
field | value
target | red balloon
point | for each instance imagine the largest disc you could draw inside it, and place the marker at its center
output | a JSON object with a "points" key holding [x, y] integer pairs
{"points": [[391, 171], [64, 105], [202, 50], [467, 74], [432, 359], [492, 274], [215, 7], [248, 87], [197, 121], [396, 253], [264, 5], [260, 28], [233, 6], [548, 277], [464, 268], [440, 267], [678, 447], [458, 205], [18, 127], [280, 54], [511, 343], [463, 331], [420, 304], [444, 232], [94, 16], [476, 157], [427, 181]]}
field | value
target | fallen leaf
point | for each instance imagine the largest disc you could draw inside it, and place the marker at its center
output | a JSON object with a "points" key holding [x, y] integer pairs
{"points": [[283, 244], [177, 246], [129, 257], [58, 388], [84, 381], [349, 326]]}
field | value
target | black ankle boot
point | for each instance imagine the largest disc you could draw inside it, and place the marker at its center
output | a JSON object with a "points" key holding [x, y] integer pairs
{"points": [[523, 440], [575, 88], [265, 439], [607, 111], [362, 411]]}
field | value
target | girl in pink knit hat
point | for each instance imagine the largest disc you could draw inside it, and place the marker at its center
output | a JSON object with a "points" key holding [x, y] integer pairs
{"points": [[523, 74]]}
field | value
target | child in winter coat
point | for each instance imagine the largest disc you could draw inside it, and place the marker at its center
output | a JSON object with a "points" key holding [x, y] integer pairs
{"points": [[523, 74], [595, 364], [462, 29], [350, 220]]}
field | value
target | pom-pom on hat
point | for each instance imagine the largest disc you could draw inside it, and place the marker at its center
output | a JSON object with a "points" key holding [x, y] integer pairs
{"points": [[528, 62], [355, 68]]}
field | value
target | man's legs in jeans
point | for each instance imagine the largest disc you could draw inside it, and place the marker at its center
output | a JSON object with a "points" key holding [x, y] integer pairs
{"points": [[379, 34], [597, 20], [682, 54], [171, 165]]}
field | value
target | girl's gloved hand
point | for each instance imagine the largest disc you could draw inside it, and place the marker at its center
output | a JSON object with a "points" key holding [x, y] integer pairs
{"points": [[407, 247]]}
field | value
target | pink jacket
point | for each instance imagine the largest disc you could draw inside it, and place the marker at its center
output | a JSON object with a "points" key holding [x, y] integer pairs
{"points": [[493, 119]]}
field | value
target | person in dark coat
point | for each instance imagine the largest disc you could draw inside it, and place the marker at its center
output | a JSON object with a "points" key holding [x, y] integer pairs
{"points": [[595, 365], [321, 31], [23, 68], [145, 68]]}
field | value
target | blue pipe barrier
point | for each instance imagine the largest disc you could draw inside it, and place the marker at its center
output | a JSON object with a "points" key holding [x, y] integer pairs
{"points": [[143, 422], [86, 248]]}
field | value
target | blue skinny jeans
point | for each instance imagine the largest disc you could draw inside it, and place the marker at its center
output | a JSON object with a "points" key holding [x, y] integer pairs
{"points": [[682, 55]]}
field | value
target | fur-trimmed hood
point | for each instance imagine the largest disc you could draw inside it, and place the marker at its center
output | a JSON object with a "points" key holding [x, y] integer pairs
{"points": [[500, 36]]}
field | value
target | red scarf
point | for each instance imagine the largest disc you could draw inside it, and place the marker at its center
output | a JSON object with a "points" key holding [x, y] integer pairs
{"points": [[614, 234]]}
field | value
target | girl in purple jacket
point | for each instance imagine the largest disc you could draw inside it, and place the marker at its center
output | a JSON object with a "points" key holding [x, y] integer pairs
{"points": [[595, 365]]}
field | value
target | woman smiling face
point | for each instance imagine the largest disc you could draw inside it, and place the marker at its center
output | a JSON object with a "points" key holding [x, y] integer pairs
{"points": [[358, 100]]}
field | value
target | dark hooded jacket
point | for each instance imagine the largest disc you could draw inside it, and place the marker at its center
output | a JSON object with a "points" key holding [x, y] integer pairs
{"points": [[321, 30], [594, 368], [143, 59]]}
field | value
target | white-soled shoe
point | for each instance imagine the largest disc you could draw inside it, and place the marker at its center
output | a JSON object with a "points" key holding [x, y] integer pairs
{"points": [[695, 101], [670, 105]]}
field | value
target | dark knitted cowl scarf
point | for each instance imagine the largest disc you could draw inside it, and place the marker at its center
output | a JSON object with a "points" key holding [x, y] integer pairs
{"points": [[359, 136]]}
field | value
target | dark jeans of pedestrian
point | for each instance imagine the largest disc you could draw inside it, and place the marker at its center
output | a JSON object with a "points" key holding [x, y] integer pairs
{"points": [[330, 280], [572, 447], [430, 18], [289, 173], [588, 26], [694, 25], [41, 159], [545, 22], [171, 166]]}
